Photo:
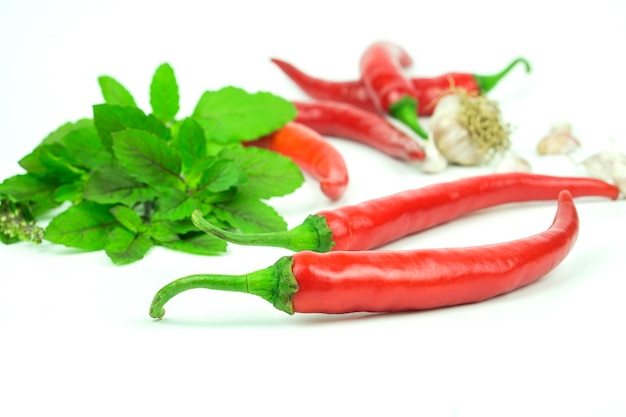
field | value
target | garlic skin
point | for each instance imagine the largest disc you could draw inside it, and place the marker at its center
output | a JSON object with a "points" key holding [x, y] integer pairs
{"points": [[451, 138], [559, 141], [434, 161], [467, 129]]}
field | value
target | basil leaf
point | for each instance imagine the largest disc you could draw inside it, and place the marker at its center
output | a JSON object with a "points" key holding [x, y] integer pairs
{"points": [[84, 146], [110, 184], [83, 226], [127, 218], [110, 119], [57, 164], [191, 145], [63, 130], [72, 192], [250, 216], [28, 187], [268, 174], [240, 115], [148, 158], [162, 231], [221, 175], [178, 205], [164, 97], [115, 93], [77, 143], [52, 161], [198, 244], [124, 247]]}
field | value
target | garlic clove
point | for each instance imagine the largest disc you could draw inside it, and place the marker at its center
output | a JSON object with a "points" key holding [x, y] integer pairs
{"points": [[608, 165], [603, 164], [513, 163], [559, 141]]}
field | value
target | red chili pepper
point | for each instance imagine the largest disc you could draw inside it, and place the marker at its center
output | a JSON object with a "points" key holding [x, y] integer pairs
{"points": [[343, 120], [374, 223], [312, 153], [387, 281], [428, 90], [392, 93], [350, 92]]}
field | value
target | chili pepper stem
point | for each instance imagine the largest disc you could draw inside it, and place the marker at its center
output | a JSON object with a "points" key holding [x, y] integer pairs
{"points": [[313, 234], [488, 82], [405, 110], [275, 284]]}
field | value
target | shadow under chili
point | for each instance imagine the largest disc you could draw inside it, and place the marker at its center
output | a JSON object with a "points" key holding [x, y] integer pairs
{"points": [[298, 320]]}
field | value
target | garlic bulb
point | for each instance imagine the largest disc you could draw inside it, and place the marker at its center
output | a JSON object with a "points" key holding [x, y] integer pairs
{"points": [[559, 141], [467, 129]]}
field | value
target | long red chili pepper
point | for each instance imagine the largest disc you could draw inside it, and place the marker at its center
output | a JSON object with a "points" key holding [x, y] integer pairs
{"points": [[428, 90], [350, 92], [374, 223], [387, 281], [332, 118], [312, 153], [392, 93]]}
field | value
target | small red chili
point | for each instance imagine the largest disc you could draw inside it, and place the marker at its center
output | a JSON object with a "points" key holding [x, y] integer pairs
{"points": [[428, 90], [376, 222], [332, 118], [392, 93], [388, 281], [312, 153]]}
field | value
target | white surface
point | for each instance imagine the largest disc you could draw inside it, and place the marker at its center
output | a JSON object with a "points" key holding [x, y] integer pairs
{"points": [[75, 336]]}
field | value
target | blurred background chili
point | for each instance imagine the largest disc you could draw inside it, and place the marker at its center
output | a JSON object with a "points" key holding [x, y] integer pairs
{"points": [[342, 120], [381, 67], [427, 89], [312, 153]]}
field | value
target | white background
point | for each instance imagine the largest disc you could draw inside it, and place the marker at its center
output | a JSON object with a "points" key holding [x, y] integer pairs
{"points": [[75, 335]]}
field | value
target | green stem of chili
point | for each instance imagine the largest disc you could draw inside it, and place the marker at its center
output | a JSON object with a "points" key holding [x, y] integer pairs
{"points": [[405, 110], [488, 82], [275, 284], [313, 234]]}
